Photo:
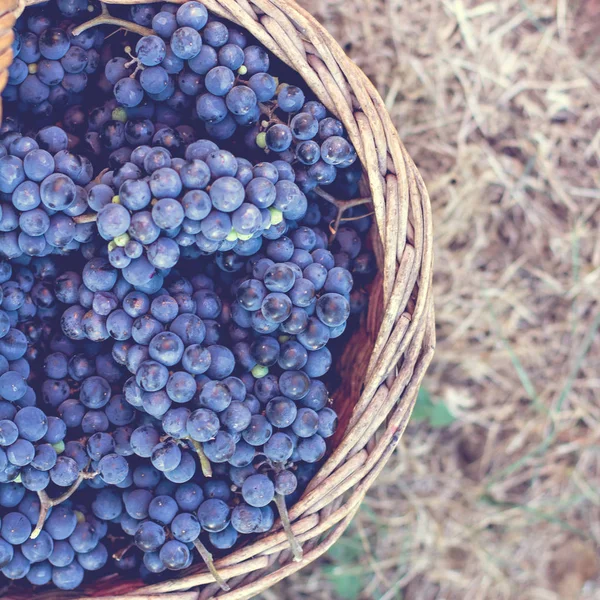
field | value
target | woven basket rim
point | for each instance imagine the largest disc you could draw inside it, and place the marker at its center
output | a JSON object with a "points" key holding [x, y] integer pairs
{"points": [[404, 322]]}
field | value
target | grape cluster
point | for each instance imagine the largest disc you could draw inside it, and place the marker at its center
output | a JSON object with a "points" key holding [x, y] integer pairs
{"points": [[44, 185], [156, 204], [194, 62], [70, 543], [51, 66], [178, 269]]}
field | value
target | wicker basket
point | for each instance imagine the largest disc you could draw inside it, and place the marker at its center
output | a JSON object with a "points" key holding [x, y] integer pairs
{"points": [[384, 363]]}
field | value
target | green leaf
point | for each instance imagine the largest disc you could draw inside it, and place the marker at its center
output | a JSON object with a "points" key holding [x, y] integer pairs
{"points": [[347, 585], [435, 414], [423, 406], [345, 551], [441, 416]]}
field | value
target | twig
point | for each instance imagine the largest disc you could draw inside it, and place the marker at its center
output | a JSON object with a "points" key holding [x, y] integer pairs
{"points": [[46, 503], [334, 225], [342, 206], [208, 560], [204, 462], [98, 177], [87, 218], [287, 527], [119, 554], [105, 18]]}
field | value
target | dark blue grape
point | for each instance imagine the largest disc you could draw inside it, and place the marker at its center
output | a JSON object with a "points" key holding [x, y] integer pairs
{"points": [[186, 43], [256, 60], [285, 483], [175, 555], [202, 425], [216, 34], [151, 50], [258, 432], [312, 449], [225, 539], [129, 92], [258, 490], [263, 85], [213, 515], [149, 537], [164, 24]]}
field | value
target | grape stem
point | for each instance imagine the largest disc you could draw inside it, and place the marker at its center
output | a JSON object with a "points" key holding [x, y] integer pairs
{"points": [[46, 503], [204, 462], [287, 527], [105, 18], [341, 205], [119, 554], [87, 218], [208, 559]]}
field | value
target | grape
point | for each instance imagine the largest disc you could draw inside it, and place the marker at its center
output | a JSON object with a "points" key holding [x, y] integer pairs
{"points": [[312, 449], [153, 80], [45, 457], [236, 417], [15, 528], [65, 471], [149, 537], [224, 539], [6, 553], [189, 496], [39, 549], [258, 432], [215, 396], [174, 555], [221, 448], [245, 518], [202, 425], [17, 566], [166, 456], [69, 577], [129, 92], [62, 555], [95, 559], [162, 380], [184, 471], [13, 386], [285, 483], [319, 362], [186, 42], [164, 24], [143, 440], [40, 574], [278, 137], [258, 490], [53, 43], [107, 505], [185, 527], [163, 509], [11, 494], [61, 523], [276, 307], [213, 515], [256, 60], [279, 447], [113, 469], [338, 280], [151, 50]]}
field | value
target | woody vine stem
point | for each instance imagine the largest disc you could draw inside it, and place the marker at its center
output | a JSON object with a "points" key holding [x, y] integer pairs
{"points": [[46, 503], [105, 18]]}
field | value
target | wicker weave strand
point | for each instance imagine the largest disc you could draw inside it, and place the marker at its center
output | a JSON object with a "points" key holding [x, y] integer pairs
{"points": [[384, 363]]}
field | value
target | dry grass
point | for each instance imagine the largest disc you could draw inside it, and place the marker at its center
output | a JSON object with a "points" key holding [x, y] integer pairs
{"points": [[499, 104]]}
